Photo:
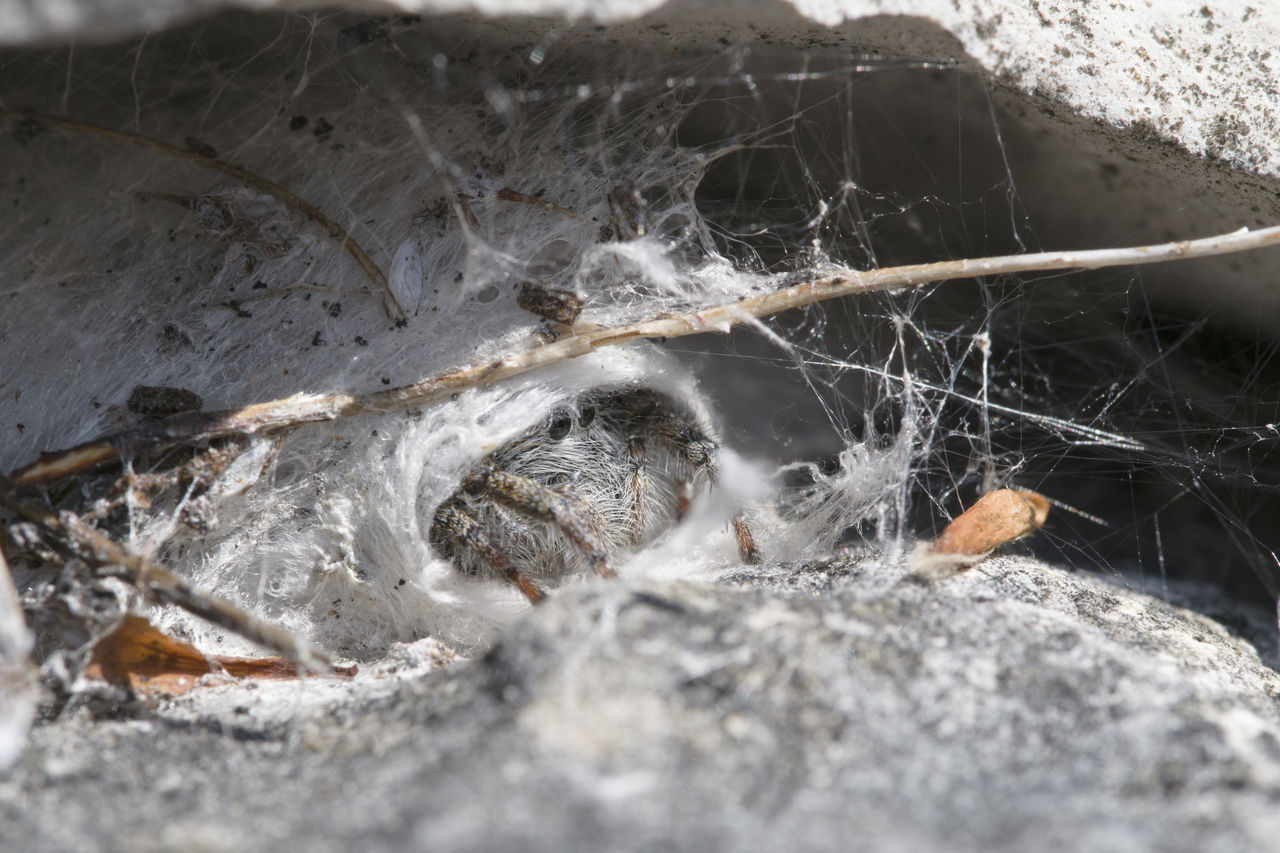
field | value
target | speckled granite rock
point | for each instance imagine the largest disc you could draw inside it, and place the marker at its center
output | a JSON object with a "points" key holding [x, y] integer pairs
{"points": [[1016, 707]]}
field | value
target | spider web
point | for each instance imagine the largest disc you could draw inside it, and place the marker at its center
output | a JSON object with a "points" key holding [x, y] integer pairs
{"points": [[468, 159]]}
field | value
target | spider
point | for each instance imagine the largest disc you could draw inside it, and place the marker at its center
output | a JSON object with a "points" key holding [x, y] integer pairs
{"points": [[608, 473]]}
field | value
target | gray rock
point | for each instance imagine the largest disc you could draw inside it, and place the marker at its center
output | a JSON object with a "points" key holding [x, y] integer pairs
{"points": [[1015, 707], [1148, 82], [831, 706]]}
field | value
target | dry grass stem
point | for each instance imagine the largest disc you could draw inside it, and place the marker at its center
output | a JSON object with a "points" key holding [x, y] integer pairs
{"points": [[306, 208], [302, 408], [159, 584], [512, 195]]}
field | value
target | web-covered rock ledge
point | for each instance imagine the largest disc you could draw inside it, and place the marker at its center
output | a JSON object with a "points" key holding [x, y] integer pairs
{"points": [[1015, 707]]}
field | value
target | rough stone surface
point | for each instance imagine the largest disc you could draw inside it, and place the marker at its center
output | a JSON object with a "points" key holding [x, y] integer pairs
{"points": [[1016, 707], [1151, 121], [1200, 74]]}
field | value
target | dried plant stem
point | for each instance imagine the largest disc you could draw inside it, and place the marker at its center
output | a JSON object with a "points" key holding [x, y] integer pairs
{"points": [[160, 584], [513, 195], [300, 409], [306, 208]]}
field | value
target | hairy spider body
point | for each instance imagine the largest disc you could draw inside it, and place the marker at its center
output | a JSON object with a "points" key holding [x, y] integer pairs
{"points": [[603, 476]]}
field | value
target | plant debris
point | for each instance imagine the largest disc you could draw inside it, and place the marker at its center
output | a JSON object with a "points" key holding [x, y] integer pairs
{"points": [[994, 519], [140, 657]]}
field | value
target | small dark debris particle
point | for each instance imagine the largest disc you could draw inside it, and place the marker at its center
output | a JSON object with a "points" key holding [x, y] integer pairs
{"points": [[160, 401], [21, 427], [317, 340], [401, 582], [235, 306], [374, 433], [549, 303], [242, 709], [362, 33], [361, 341], [27, 129], [259, 285], [335, 309], [297, 122], [323, 129], [204, 149], [386, 381], [402, 323], [173, 334]]}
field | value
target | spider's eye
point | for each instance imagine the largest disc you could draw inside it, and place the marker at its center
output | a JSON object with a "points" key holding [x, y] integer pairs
{"points": [[586, 416], [560, 425]]}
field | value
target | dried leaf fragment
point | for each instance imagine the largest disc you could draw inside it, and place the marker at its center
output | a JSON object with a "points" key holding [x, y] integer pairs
{"points": [[138, 656], [994, 519]]}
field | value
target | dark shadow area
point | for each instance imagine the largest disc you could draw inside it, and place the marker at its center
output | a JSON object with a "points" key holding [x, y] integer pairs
{"points": [[1143, 402]]}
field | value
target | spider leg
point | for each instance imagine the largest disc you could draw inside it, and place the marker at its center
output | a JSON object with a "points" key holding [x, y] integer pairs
{"points": [[687, 442], [543, 503], [455, 525], [694, 446], [640, 487]]}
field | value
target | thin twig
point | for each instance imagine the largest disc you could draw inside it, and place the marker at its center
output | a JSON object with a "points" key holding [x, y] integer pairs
{"points": [[514, 195], [394, 310], [162, 585], [300, 409]]}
